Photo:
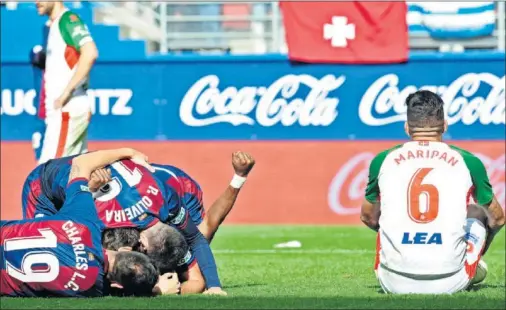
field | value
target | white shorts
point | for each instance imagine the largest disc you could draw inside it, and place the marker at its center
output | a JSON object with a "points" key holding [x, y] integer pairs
{"points": [[67, 130], [394, 282]]}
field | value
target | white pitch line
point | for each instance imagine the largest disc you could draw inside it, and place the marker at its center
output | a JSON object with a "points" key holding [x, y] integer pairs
{"points": [[293, 251], [313, 251]]}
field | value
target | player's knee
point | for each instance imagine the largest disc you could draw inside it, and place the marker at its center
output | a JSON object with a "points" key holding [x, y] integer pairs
{"points": [[475, 211]]}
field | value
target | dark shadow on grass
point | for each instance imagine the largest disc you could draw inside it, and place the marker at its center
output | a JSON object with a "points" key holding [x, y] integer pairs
{"points": [[378, 288], [373, 286], [478, 287], [282, 302], [243, 285]]}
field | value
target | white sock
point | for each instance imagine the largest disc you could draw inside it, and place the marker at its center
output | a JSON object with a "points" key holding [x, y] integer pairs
{"points": [[476, 235]]}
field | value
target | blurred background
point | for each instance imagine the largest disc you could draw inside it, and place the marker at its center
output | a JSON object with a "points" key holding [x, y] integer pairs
{"points": [[190, 82]]}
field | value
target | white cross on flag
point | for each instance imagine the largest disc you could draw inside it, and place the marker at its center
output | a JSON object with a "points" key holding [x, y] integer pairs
{"points": [[339, 32], [346, 32]]}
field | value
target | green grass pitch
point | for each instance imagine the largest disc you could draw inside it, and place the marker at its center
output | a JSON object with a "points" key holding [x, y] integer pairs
{"points": [[332, 269]]}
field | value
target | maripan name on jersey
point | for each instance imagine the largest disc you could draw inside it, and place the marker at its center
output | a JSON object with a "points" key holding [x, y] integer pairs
{"points": [[423, 189], [67, 35]]}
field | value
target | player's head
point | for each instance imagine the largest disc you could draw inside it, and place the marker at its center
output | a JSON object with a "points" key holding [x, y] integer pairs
{"points": [[132, 273], [425, 113], [116, 238], [164, 245], [45, 7]]}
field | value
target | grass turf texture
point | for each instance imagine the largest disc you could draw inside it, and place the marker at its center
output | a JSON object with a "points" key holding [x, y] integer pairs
{"points": [[332, 269]]}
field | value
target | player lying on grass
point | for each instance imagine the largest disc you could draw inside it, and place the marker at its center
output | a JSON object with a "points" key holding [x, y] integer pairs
{"points": [[138, 198], [162, 244], [430, 240], [62, 255]]}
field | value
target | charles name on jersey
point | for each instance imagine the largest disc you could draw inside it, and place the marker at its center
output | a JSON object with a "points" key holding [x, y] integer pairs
{"points": [[74, 236]]}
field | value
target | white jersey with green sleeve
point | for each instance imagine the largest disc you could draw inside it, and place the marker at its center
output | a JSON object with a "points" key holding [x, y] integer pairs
{"points": [[67, 34], [423, 189]]}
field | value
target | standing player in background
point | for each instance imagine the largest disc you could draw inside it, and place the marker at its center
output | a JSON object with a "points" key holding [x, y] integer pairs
{"points": [[38, 61], [70, 56], [430, 240]]}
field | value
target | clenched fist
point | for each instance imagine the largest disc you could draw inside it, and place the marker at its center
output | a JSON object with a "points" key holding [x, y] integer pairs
{"points": [[242, 163]]}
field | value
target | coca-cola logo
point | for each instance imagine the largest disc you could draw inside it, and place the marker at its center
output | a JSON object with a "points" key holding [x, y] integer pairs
{"points": [[282, 102], [347, 188], [471, 98]]}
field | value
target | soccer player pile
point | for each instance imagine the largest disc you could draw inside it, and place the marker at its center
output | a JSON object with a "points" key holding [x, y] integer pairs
{"points": [[108, 222], [111, 223]]}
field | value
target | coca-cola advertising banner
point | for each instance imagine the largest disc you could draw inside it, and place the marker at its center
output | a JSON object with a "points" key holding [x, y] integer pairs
{"points": [[270, 98], [292, 182]]}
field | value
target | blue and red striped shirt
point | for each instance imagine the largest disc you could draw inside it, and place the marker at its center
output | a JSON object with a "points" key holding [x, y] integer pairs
{"points": [[58, 255], [134, 198]]}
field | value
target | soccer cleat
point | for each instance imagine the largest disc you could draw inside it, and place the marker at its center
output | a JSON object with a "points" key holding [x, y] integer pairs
{"points": [[481, 272]]}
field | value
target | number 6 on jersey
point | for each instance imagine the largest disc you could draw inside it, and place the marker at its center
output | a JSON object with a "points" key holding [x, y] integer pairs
{"points": [[424, 196]]}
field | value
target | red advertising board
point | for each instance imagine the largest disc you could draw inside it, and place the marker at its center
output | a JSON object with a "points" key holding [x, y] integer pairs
{"points": [[292, 182]]}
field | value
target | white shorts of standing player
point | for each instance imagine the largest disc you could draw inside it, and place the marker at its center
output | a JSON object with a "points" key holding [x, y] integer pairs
{"points": [[394, 282], [67, 130]]}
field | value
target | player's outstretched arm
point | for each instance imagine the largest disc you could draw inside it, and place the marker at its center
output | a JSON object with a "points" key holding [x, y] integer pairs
{"points": [[83, 165], [242, 163]]}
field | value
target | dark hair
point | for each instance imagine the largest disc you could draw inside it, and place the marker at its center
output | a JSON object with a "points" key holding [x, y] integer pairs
{"points": [[135, 272], [115, 238], [167, 248], [425, 109]]}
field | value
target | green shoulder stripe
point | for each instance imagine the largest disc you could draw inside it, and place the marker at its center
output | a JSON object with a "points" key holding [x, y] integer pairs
{"points": [[483, 192], [372, 190], [73, 30]]}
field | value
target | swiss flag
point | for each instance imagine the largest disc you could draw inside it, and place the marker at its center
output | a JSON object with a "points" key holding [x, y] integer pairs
{"points": [[346, 32]]}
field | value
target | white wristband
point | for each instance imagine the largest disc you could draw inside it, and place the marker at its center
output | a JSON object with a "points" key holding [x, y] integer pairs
{"points": [[237, 181]]}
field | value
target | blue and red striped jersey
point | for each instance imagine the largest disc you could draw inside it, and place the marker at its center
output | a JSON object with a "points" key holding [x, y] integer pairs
{"points": [[58, 255], [134, 198]]}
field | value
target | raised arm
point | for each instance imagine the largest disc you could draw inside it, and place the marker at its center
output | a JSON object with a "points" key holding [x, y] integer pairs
{"points": [[242, 163]]}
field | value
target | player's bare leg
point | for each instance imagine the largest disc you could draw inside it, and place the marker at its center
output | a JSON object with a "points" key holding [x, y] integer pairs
{"points": [[242, 163]]}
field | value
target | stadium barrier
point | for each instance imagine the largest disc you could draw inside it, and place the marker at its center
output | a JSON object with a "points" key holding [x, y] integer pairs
{"points": [[312, 128]]}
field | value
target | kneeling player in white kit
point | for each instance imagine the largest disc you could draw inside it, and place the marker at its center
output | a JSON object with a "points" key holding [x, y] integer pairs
{"points": [[70, 54], [430, 240]]}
